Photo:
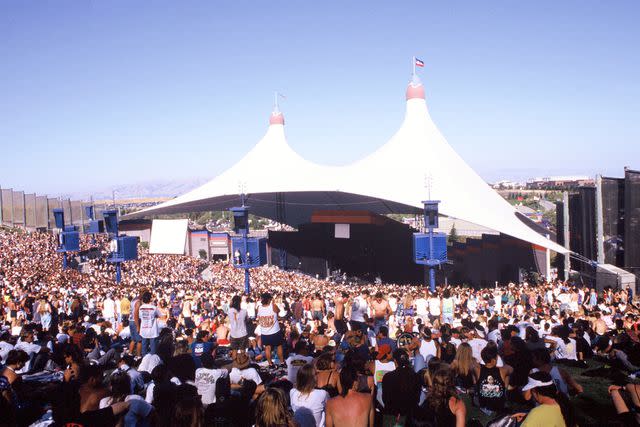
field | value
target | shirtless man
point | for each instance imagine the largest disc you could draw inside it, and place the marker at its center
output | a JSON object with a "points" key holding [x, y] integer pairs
{"points": [[381, 311], [91, 389], [222, 332], [340, 301], [350, 408], [599, 325], [317, 308]]}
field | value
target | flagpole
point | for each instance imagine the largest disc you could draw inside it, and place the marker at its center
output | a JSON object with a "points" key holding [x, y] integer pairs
{"points": [[414, 66], [275, 98]]}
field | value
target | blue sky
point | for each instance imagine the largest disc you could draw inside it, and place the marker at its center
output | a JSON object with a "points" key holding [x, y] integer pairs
{"points": [[95, 93]]}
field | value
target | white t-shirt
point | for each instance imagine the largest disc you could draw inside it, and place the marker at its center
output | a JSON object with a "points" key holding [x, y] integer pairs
{"points": [[236, 375], [358, 309], [434, 306], [5, 348], [149, 361], [206, 383], [28, 347], [380, 369], [294, 363], [309, 409], [108, 308], [107, 401], [494, 336], [125, 333], [421, 307], [428, 349], [237, 319], [477, 344], [268, 320], [251, 310], [564, 351], [149, 314]]}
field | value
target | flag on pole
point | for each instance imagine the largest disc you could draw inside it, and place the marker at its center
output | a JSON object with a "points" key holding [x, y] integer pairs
{"points": [[419, 62]]}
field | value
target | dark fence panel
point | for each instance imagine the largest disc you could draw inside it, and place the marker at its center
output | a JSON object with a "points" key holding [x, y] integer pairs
{"points": [[613, 220], [632, 220]]}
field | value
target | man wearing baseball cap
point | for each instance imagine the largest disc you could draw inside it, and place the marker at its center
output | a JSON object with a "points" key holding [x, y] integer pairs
{"points": [[553, 408]]}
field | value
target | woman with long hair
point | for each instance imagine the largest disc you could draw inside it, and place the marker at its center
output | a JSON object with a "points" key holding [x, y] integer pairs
{"points": [[307, 402], [564, 348], [463, 367], [327, 374], [272, 410], [442, 407], [532, 339], [44, 310]]}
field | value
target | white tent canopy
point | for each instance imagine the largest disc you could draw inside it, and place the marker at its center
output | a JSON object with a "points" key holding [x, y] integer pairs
{"points": [[285, 187]]}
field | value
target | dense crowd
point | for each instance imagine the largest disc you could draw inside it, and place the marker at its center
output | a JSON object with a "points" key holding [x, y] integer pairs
{"points": [[168, 348]]}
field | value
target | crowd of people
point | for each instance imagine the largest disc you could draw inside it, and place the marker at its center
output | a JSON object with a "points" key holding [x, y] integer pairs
{"points": [[166, 347]]}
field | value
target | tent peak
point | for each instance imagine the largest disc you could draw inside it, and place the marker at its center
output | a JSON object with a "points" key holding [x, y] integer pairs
{"points": [[415, 89], [276, 118]]}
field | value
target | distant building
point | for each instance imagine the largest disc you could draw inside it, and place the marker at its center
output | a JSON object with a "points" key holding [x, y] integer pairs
{"points": [[563, 182], [507, 185]]}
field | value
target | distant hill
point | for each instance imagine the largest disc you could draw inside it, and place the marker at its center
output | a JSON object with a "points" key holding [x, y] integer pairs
{"points": [[153, 189]]}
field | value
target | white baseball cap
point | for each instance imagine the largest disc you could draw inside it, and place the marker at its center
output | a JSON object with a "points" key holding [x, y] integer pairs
{"points": [[533, 383]]}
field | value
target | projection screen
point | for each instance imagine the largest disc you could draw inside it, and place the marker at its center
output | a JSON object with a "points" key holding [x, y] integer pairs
{"points": [[168, 236]]}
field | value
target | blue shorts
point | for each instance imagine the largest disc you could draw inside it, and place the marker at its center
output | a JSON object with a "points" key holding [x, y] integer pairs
{"points": [[272, 340], [133, 328]]}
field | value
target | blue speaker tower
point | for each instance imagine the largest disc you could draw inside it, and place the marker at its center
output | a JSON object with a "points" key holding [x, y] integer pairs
{"points": [[121, 248], [430, 249], [68, 239], [95, 226], [243, 255]]}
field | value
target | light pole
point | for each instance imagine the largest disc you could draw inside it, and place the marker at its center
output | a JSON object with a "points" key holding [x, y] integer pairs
{"points": [[430, 249], [241, 226]]}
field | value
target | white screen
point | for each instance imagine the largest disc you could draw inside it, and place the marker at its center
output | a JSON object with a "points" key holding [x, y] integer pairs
{"points": [[168, 236], [342, 231]]}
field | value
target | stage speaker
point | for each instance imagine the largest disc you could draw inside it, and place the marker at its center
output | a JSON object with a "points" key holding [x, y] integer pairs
{"points": [[256, 251], [111, 221], [421, 249], [240, 219], [58, 215], [431, 213], [88, 210], [125, 249], [70, 241], [95, 226]]}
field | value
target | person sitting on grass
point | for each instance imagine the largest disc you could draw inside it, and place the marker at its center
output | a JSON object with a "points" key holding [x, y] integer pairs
{"points": [[553, 410]]}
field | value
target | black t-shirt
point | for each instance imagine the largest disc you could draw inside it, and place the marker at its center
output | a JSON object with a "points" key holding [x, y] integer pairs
{"points": [[183, 366], [490, 389], [400, 391], [231, 412]]}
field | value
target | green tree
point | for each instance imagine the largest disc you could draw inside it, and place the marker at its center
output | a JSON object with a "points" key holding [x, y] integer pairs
{"points": [[203, 254], [453, 235]]}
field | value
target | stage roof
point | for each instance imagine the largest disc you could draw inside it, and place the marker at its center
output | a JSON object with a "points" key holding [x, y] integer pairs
{"points": [[417, 163]]}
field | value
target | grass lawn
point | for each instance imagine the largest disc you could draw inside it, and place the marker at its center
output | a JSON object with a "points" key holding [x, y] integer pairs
{"points": [[593, 407]]}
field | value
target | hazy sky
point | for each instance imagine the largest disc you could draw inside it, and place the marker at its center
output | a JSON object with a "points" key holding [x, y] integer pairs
{"points": [[98, 93]]}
